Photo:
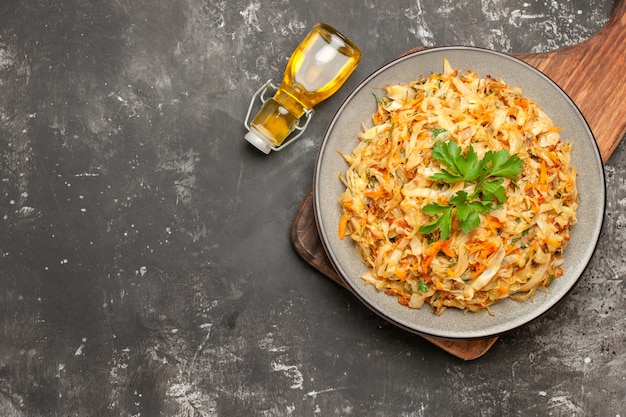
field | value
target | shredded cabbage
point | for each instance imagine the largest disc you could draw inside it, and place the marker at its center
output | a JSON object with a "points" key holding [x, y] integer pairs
{"points": [[515, 250]]}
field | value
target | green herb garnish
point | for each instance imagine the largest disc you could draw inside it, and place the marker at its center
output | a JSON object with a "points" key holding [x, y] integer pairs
{"points": [[488, 175], [436, 131], [380, 100]]}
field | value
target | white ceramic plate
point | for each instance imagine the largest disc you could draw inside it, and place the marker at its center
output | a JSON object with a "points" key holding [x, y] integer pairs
{"points": [[341, 135]]}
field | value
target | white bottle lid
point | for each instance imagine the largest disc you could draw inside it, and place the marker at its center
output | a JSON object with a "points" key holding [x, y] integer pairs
{"points": [[258, 141]]}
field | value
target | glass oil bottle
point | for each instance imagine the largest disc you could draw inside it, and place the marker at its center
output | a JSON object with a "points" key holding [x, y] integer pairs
{"points": [[316, 70]]}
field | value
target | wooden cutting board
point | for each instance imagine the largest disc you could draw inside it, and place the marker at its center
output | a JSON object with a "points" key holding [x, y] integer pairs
{"points": [[592, 73]]}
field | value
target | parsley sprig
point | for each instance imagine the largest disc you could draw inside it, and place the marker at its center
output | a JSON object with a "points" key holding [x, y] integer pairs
{"points": [[488, 175]]}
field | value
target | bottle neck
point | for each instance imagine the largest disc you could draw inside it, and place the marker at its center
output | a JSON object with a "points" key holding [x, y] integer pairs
{"points": [[290, 102]]}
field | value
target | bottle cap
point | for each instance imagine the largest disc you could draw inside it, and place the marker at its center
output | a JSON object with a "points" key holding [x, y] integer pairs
{"points": [[255, 139]]}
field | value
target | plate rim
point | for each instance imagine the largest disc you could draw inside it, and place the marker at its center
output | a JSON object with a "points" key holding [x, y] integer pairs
{"points": [[470, 335]]}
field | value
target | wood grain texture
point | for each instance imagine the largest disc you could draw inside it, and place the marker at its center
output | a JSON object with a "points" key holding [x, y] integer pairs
{"points": [[591, 73]]}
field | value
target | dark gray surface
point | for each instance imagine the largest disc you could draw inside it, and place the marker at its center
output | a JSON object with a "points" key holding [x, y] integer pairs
{"points": [[146, 265]]}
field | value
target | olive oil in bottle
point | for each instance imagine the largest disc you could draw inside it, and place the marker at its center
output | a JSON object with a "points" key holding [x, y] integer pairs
{"points": [[316, 70]]}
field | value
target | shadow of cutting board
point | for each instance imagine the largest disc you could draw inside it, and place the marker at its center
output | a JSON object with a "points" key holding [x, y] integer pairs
{"points": [[592, 73]]}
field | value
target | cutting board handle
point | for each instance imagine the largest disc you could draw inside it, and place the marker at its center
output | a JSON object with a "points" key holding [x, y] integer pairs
{"points": [[593, 74]]}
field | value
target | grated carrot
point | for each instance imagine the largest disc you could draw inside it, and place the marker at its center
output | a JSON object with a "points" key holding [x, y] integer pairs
{"points": [[383, 218]]}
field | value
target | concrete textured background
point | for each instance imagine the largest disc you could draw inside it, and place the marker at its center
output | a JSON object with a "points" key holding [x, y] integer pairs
{"points": [[146, 267]]}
